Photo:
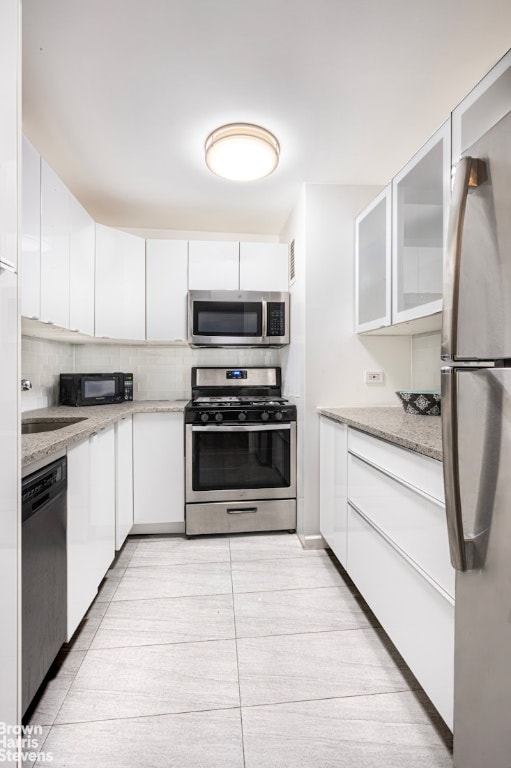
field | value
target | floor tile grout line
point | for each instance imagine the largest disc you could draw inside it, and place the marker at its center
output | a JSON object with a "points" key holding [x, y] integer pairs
{"points": [[143, 717], [224, 639], [165, 597], [169, 597], [399, 691], [172, 565], [237, 661], [161, 645]]}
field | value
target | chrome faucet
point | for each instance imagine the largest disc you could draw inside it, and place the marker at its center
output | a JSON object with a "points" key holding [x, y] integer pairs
{"points": [[26, 384]]}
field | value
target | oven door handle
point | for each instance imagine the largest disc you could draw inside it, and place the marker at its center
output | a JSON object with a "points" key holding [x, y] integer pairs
{"points": [[242, 428]]}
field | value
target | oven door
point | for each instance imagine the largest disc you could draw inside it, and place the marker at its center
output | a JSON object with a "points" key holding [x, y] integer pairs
{"points": [[236, 462]]}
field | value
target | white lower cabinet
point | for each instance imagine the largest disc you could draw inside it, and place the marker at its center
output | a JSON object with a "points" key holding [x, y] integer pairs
{"points": [[158, 472], [417, 617], [102, 462], [81, 585], [383, 516], [90, 521], [333, 485], [414, 521], [123, 479]]}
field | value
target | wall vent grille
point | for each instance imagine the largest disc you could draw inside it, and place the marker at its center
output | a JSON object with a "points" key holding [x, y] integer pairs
{"points": [[292, 272]]}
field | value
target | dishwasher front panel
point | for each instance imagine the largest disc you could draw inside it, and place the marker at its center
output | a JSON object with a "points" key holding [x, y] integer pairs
{"points": [[44, 574]]}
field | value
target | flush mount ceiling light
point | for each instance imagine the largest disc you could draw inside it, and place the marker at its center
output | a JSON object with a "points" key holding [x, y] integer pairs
{"points": [[242, 152]]}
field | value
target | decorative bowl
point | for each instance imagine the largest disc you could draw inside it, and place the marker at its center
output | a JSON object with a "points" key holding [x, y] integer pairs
{"points": [[426, 402]]}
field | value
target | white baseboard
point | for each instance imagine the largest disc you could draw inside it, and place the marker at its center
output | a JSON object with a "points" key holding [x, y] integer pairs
{"points": [[315, 541], [141, 528]]}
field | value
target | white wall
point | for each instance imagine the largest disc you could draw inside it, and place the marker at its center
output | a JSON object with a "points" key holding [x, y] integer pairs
{"points": [[324, 348], [426, 361]]}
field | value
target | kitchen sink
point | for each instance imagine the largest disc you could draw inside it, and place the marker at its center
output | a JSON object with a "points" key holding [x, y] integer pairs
{"points": [[46, 425]]}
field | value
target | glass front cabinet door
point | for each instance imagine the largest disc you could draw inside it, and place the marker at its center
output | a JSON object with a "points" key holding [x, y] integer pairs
{"points": [[373, 264], [420, 204]]}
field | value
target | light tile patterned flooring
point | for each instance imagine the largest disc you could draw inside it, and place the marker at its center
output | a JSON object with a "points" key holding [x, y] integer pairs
{"points": [[234, 652]]}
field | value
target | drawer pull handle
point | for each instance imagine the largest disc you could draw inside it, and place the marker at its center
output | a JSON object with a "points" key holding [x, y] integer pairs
{"points": [[242, 511], [401, 552]]}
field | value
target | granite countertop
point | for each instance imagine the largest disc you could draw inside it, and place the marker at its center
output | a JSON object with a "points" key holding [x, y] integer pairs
{"points": [[421, 434], [96, 417]]}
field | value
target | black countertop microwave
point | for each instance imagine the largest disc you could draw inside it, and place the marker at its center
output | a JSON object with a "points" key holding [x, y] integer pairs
{"points": [[238, 319], [95, 388]]}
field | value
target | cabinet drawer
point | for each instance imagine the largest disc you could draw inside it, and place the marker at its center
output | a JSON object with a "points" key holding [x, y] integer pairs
{"points": [[413, 522], [419, 621], [420, 471]]}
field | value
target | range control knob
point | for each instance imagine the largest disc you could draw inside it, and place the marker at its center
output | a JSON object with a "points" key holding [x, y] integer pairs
{"points": [[242, 416], [204, 417], [265, 416], [278, 416], [218, 417]]}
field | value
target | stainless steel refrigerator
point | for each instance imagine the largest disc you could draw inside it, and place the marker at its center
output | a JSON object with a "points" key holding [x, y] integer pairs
{"points": [[476, 423]]}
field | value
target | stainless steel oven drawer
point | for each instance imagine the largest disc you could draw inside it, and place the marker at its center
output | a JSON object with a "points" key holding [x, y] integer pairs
{"points": [[241, 516]]}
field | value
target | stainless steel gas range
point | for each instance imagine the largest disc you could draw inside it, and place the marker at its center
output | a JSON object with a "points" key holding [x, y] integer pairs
{"points": [[240, 449]]}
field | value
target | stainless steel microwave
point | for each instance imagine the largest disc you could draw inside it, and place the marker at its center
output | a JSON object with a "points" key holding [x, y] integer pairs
{"points": [[238, 318]]}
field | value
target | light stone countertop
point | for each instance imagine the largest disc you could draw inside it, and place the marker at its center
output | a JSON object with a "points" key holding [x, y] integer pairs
{"points": [[421, 434], [96, 417]]}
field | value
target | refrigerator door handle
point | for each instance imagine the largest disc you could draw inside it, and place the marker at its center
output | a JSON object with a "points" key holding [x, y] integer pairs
{"points": [[461, 550], [470, 172]]}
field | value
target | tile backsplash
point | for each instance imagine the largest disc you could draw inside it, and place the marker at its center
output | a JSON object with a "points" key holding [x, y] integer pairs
{"points": [[426, 361], [163, 373], [41, 362], [160, 372]]}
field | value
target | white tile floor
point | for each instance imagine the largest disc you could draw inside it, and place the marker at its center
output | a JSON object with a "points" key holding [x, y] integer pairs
{"points": [[234, 652]]}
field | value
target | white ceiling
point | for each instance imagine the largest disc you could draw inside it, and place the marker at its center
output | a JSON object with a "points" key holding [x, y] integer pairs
{"points": [[119, 96]]}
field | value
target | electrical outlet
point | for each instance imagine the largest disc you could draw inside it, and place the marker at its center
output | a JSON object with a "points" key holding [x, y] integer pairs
{"points": [[374, 377]]}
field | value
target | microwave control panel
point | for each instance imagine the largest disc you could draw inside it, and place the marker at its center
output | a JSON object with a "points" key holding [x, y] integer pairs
{"points": [[276, 318], [128, 386]]}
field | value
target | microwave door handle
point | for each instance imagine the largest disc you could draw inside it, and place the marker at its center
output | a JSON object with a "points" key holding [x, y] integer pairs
{"points": [[264, 318], [470, 172]]}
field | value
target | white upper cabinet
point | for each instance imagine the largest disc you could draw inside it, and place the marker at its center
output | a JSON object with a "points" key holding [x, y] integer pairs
{"points": [[82, 246], [30, 249], [10, 45], [54, 248], [264, 267], [420, 205], [373, 264], [213, 265], [482, 108], [120, 284], [166, 289]]}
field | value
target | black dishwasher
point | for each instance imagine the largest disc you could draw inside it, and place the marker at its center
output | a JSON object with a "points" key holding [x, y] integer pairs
{"points": [[43, 573]]}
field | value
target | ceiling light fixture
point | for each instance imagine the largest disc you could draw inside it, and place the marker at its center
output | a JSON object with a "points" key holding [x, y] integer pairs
{"points": [[242, 152]]}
